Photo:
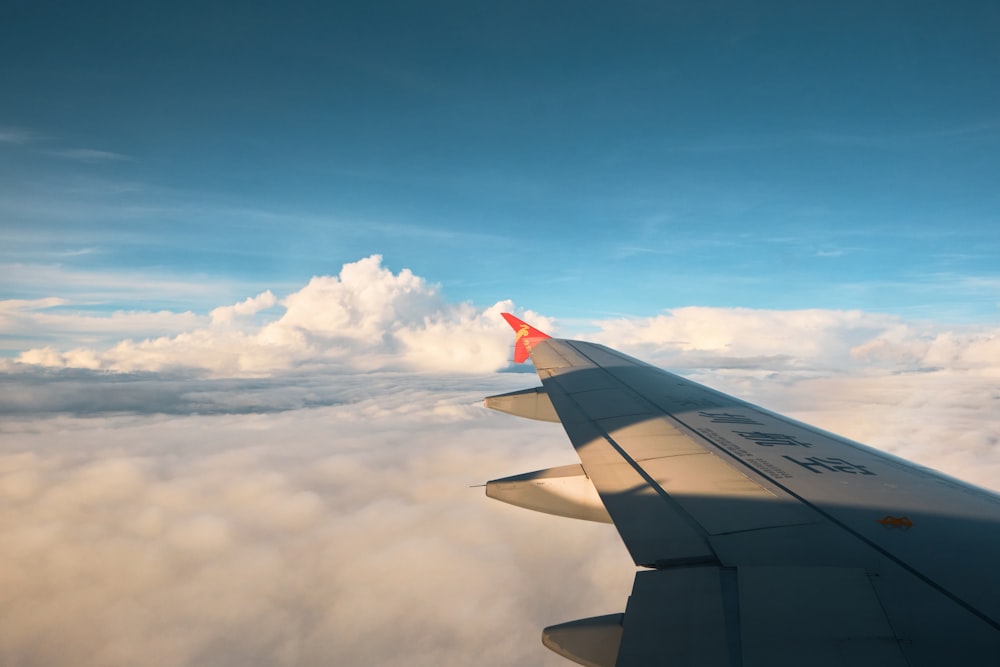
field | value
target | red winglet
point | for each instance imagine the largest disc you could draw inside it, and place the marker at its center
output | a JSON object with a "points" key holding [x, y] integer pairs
{"points": [[527, 337]]}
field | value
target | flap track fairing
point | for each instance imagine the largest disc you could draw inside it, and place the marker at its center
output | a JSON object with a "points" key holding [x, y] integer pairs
{"points": [[531, 403], [562, 491]]}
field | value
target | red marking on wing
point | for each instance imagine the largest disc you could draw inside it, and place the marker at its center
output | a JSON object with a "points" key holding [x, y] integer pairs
{"points": [[896, 521], [527, 337]]}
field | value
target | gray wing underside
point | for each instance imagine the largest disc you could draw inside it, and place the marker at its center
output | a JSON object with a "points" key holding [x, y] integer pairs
{"points": [[769, 542]]}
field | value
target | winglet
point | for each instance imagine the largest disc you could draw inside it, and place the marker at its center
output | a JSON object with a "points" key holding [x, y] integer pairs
{"points": [[527, 337]]}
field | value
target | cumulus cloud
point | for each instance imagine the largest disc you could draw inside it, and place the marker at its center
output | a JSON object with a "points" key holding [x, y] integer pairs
{"points": [[250, 306], [365, 318]]}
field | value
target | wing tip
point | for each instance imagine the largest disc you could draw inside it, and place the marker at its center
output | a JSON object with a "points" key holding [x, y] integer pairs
{"points": [[527, 337]]}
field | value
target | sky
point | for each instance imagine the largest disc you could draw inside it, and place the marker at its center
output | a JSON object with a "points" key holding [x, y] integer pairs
{"points": [[253, 260], [584, 160]]}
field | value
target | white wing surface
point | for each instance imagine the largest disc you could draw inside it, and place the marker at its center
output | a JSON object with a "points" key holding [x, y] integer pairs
{"points": [[761, 541]]}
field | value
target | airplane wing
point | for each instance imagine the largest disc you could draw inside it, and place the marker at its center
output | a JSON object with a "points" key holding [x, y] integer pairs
{"points": [[761, 541]]}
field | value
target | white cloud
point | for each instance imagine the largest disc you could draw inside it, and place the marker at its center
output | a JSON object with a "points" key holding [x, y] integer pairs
{"points": [[345, 534], [88, 287], [36, 316], [224, 315], [16, 305], [365, 318], [827, 340], [89, 155], [293, 520], [807, 338], [56, 321]]}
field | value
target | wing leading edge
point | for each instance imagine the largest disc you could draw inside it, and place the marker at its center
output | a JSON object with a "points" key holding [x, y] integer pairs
{"points": [[763, 541]]}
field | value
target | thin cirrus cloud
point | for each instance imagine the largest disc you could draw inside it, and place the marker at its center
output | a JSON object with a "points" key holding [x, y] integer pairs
{"points": [[21, 136], [285, 481], [16, 135], [50, 319], [88, 155]]}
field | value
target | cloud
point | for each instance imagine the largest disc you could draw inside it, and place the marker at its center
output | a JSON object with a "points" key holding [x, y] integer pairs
{"points": [[291, 538], [54, 321], [224, 315], [365, 318], [25, 305], [825, 340], [369, 319], [89, 155], [89, 286], [292, 520], [14, 135], [21, 136]]}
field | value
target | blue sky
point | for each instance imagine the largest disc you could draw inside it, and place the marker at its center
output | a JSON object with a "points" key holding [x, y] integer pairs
{"points": [[581, 159]]}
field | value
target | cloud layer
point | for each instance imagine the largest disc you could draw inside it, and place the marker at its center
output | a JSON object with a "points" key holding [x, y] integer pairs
{"points": [[285, 480], [337, 535]]}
